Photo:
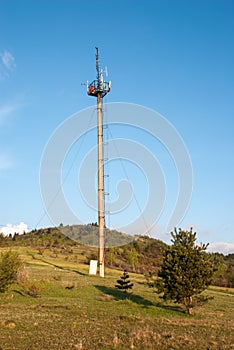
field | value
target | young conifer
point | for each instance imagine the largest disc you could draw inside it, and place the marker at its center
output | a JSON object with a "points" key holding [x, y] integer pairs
{"points": [[124, 282], [186, 270]]}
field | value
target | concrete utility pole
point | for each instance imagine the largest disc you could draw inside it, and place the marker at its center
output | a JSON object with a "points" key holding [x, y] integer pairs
{"points": [[98, 88]]}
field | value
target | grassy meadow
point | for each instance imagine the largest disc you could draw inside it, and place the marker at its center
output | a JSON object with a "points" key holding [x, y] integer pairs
{"points": [[78, 311]]}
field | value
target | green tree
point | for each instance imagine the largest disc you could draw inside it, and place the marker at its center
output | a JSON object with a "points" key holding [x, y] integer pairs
{"points": [[110, 256], [133, 258], [10, 264], [186, 270], [229, 275], [124, 282]]}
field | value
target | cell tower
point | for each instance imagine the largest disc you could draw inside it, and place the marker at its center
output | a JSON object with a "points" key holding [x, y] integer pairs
{"points": [[99, 88]]}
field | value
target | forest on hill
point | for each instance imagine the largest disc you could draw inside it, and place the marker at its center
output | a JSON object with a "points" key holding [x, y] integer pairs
{"points": [[138, 254]]}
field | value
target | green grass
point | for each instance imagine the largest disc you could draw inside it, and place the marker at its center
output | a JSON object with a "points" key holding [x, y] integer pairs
{"points": [[94, 315]]}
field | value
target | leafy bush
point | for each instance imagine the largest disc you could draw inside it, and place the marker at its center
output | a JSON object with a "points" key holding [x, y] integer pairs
{"points": [[10, 265]]}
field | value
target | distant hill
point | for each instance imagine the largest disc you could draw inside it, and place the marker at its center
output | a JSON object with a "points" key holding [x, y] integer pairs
{"points": [[81, 234], [123, 251], [89, 235]]}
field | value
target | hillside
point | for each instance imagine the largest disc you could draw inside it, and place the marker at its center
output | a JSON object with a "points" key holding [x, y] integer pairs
{"points": [[57, 305], [136, 254], [139, 254], [73, 310]]}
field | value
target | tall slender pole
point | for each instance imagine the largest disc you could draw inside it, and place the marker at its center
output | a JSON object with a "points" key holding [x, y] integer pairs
{"points": [[101, 204], [99, 88]]}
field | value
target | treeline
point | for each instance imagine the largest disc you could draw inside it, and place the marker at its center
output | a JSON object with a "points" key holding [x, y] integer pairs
{"points": [[44, 238], [66, 235], [145, 255], [142, 255], [224, 276]]}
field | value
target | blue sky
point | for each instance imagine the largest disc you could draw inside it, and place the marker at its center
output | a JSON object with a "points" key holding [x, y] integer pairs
{"points": [[175, 57]]}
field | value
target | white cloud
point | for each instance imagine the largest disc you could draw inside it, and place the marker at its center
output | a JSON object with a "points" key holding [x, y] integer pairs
{"points": [[8, 60], [7, 64], [221, 247], [21, 228]]}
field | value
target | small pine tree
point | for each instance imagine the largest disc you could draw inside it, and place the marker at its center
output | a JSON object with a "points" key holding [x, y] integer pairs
{"points": [[124, 282], [186, 270]]}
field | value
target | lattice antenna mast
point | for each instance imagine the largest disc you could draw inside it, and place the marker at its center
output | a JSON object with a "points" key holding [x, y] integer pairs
{"points": [[99, 88], [98, 68]]}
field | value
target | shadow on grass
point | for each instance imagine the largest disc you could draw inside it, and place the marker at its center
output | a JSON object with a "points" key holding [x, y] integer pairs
{"points": [[79, 273], [118, 295], [18, 292], [58, 266], [176, 308], [62, 267]]}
